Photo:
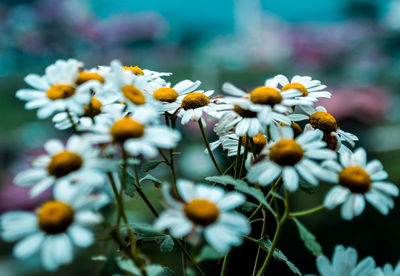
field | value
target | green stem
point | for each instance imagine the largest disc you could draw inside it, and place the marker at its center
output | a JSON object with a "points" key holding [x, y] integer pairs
{"points": [[190, 258], [224, 270], [253, 148], [307, 212], [263, 230], [172, 167], [74, 128], [278, 232], [239, 147], [230, 167], [203, 133], [246, 150]]}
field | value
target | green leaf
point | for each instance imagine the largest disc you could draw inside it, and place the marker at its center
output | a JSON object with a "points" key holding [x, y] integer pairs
{"points": [[158, 270], [150, 165], [167, 245], [155, 181], [208, 253], [128, 266], [309, 239], [146, 233], [243, 187], [247, 207], [265, 243]]}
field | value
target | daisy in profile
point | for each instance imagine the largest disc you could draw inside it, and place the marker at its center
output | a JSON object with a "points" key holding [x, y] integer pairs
{"points": [[291, 158], [168, 95], [194, 104], [320, 119], [230, 142], [154, 79], [344, 263], [76, 161], [204, 210], [55, 227], [358, 180], [310, 89], [265, 106], [136, 133], [58, 90]]}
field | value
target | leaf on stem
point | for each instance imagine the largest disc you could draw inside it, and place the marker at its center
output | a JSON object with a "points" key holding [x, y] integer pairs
{"points": [[309, 239], [151, 165], [265, 243], [156, 182], [243, 187]]}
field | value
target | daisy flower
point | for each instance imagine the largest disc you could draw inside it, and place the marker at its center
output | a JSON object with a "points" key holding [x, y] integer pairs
{"points": [[204, 209], [55, 227], [168, 95], [291, 158], [137, 134], [264, 105], [320, 119], [192, 106], [58, 90], [153, 78], [99, 111], [76, 161], [122, 85], [310, 89], [344, 263], [358, 181]]}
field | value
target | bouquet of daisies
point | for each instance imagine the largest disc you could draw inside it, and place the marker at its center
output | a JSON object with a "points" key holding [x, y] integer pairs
{"points": [[126, 122]]}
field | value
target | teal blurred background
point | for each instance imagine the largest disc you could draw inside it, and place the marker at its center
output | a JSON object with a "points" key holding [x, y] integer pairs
{"points": [[351, 46]]}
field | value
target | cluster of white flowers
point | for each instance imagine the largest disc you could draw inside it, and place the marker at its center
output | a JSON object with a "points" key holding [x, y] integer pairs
{"points": [[123, 116]]}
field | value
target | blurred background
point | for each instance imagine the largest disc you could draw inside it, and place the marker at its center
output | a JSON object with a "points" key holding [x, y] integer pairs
{"points": [[352, 46]]}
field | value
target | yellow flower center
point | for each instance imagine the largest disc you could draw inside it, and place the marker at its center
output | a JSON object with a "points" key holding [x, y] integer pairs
{"points": [[201, 211], [323, 121], [165, 94], [87, 76], [330, 140], [194, 100], [265, 95], [297, 86], [245, 113], [54, 217], [259, 142], [64, 163], [134, 69], [286, 152], [60, 91], [356, 179], [126, 128], [93, 109], [295, 126], [133, 94]]}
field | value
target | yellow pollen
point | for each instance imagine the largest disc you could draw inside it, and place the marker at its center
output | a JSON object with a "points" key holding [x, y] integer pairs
{"points": [[126, 128], [330, 140], [134, 69], [356, 179], [64, 163], [60, 91], [245, 113], [259, 142], [265, 95], [323, 121], [54, 217], [297, 86], [286, 152], [194, 100], [201, 211], [133, 94], [87, 76], [165, 94], [93, 109]]}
